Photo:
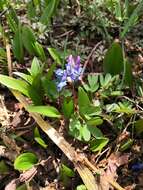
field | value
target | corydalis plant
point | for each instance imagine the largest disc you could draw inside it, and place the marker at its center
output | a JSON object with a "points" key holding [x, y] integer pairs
{"points": [[71, 73]]}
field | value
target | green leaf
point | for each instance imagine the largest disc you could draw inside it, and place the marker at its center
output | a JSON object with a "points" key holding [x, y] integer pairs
{"points": [[93, 83], [113, 61], [95, 121], [40, 141], [67, 171], [12, 19], [98, 144], [126, 145], [139, 126], [31, 10], [28, 39], [50, 88], [39, 51], [55, 55], [50, 72], [18, 45], [81, 187], [95, 132], [48, 12], [25, 161], [68, 107], [83, 100], [15, 84], [38, 138], [118, 10], [85, 133], [128, 77], [74, 128], [35, 95], [45, 110], [35, 67], [24, 76], [132, 19]]}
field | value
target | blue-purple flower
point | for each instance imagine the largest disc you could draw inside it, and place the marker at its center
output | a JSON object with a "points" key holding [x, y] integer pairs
{"points": [[71, 73]]}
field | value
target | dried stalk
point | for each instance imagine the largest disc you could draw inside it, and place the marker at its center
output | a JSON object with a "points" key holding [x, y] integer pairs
{"points": [[81, 164], [69, 151]]}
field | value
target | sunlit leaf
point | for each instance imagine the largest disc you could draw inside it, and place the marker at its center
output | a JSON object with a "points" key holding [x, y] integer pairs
{"points": [[25, 161], [15, 84], [45, 110]]}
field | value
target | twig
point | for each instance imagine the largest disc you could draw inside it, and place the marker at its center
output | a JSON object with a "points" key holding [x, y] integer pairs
{"points": [[9, 61], [82, 164], [70, 32], [88, 58], [4, 108]]}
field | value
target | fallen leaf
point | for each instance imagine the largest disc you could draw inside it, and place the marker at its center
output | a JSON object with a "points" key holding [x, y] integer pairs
{"points": [[114, 161], [28, 175], [12, 185]]}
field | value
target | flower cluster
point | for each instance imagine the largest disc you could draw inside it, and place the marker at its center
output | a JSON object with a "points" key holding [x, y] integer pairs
{"points": [[71, 73]]}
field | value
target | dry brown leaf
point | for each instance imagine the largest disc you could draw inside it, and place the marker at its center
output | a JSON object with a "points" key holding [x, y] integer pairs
{"points": [[28, 175], [11, 185], [114, 161]]}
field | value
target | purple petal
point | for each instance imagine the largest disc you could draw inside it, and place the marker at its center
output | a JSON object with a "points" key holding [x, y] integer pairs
{"points": [[61, 85], [71, 60], [59, 73], [77, 60]]}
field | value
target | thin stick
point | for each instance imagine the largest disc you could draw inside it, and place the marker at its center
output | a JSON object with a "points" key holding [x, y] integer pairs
{"points": [[88, 58], [9, 61]]}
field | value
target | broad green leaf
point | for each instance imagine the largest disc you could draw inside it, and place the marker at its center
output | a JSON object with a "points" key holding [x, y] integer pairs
{"points": [[50, 88], [98, 144], [83, 100], [18, 45], [95, 132], [128, 77], [95, 121], [113, 61], [55, 55], [35, 95], [24, 76], [132, 19], [48, 12], [25, 161], [68, 107], [92, 80], [45, 110], [74, 128], [85, 133], [28, 39], [93, 83], [15, 84], [35, 67], [39, 51]]}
